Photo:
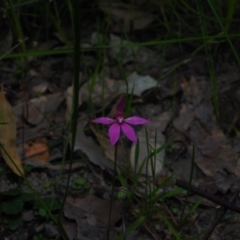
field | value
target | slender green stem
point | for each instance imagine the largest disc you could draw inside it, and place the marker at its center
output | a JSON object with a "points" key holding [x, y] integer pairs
{"points": [[123, 220], [113, 186], [224, 31], [232, 6], [182, 219], [76, 57]]}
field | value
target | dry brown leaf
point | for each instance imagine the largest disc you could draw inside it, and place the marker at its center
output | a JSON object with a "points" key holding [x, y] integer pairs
{"points": [[91, 215], [34, 117], [213, 153], [8, 134], [90, 148], [109, 150], [37, 110], [38, 151]]}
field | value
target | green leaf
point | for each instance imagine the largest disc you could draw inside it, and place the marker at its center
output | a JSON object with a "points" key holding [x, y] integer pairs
{"points": [[42, 212], [170, 226], [11, 192], [133, 226], [27, 168], [14, 224], [12, 207], [51, 203], [26, 197], [1, 170], [38, 237], [80, 181]]}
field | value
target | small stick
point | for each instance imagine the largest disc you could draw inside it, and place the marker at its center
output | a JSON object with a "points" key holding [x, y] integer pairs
{"points": [[208, 196], [5, 54], [219, 217]]}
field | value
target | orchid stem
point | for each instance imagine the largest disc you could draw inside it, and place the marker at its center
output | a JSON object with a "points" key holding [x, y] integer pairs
{"points": [[113, 186], [123, 226]]}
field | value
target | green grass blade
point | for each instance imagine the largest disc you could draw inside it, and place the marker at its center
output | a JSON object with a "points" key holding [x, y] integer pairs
{"points": [[132, 227], [170, 226]]}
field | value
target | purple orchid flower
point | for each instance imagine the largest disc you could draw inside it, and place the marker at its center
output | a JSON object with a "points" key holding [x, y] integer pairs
{"points": [[121, 123]]}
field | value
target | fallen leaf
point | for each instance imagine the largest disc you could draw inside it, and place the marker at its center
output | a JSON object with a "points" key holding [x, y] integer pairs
{"points": [[135, 58], [125, 14], [38, 151], [229, 107], [70, 227], [213, 153], [109, 150], [8, 136], [113, 88], [138, 83], [37, 110], [92, 219], [90, 148], [34, 117], [41, 87]]}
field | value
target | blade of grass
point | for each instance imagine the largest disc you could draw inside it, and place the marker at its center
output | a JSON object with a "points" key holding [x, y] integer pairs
{"points": [[74, 10], [57, 23], [136, 157], [67, 50], [132, 227], [17, 28], [224, 31], [168, 194], [193, 208], [170, 226], [210, 64], [232, 5], [189, 185]]}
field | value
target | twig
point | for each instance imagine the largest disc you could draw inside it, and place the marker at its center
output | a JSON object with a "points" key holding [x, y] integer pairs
{"points": [[5, 54], [219, 217], [208, 196]]}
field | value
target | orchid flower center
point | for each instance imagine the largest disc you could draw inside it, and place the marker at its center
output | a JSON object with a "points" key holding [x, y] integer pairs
{"points": [[120, 118]]}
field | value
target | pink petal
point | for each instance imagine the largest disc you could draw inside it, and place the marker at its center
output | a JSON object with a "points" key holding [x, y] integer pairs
{"points": [[129, 132], [120, 106], [136, 120], [104, 120], [114, 133]]}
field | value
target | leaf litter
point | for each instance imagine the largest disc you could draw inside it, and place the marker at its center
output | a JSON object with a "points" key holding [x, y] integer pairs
{"points": [[8, 134], [37, 150], [196, 122], [90, 148], [216, 161], [213, 152], [90, 218], [112, 88]]}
